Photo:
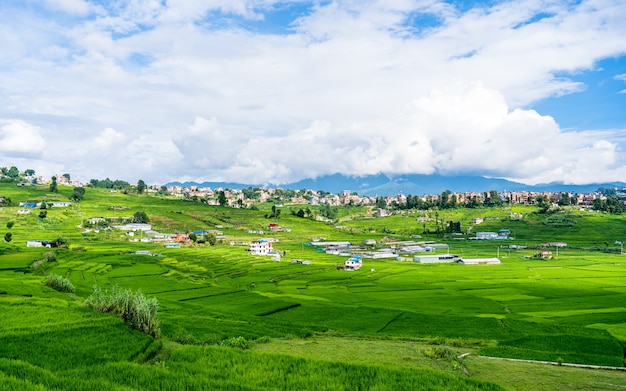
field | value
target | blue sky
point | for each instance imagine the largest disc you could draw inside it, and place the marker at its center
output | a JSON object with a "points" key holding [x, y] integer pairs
{"points": [[268, 91]]}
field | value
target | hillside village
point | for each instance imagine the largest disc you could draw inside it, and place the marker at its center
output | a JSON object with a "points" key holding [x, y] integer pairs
{"points": [[137, 228], [246, 198]]}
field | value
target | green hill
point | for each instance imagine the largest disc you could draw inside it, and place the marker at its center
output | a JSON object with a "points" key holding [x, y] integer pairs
{"points": [[232, 320]]}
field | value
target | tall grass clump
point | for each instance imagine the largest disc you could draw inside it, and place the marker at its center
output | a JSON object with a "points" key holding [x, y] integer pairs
{"points": [[137, 310], [60, 283]]}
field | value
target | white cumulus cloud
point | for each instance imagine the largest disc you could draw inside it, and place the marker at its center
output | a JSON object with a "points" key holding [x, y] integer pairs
{"points": [[20, 139]]}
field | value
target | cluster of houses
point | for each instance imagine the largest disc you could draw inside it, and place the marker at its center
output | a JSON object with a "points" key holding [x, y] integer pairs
{"points": [[355, 262], [238, 198]]}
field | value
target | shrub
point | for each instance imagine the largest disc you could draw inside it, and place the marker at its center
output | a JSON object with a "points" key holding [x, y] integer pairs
{"points": [[439, 352], [237, 342], [59, 283], [50, 256], [137, 310]]}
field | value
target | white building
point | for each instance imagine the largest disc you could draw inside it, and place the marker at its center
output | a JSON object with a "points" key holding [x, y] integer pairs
{"points": [[353, 263], [480, 261], [260, 247], [487, 235], [442, 258], [135, 227]]}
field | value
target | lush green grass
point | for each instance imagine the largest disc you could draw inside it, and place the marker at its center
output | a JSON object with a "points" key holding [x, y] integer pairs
{"points": [[569, 309]]}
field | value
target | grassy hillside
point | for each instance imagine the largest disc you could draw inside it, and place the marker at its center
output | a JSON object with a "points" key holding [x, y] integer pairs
{"points": [[231, 320]]}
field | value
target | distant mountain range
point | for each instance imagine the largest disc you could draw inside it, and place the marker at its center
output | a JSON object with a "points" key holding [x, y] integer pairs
{"points": [[415, 184]]}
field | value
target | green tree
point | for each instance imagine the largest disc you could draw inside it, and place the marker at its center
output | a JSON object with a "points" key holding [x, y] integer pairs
{"points": [[60, 242], [78, 194], [53, 185], [140, 217], [8, 237], [66, 176], [10, 224], [565, 199], [211, 239], [141, 186], [13, 172], [221, 198], [29, 172]]}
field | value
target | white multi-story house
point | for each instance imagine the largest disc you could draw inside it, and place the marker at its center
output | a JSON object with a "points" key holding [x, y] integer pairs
{"points": [[260, 247]]}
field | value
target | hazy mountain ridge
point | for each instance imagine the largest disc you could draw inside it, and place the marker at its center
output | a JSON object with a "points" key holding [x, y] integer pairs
{"points": [[416, 184]]}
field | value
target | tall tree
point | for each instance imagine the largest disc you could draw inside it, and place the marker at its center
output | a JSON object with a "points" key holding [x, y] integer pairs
{"points": [[53, 185], [221, 198], [141, 186]]}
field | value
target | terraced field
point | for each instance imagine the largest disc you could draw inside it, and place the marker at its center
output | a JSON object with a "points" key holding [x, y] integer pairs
{"points": [[400, 321]]}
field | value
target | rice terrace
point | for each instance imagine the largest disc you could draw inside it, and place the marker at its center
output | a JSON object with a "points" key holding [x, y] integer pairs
{"points": [[91, 299]]}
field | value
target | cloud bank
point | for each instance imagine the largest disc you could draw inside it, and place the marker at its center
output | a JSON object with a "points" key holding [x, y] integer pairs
{"points": [[219, 90]]}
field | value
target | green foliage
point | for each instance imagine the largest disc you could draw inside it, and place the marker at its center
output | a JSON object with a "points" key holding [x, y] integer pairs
{"points": [[109, 184], [140, 217], [60, 283], [8, 237], [237, 342], [439, 353], [275, 213], [78, 193], [13, 172], [60, 242], [137, 310], [10, 224], [612, 204], [43, 264], [141, 186], [221, 198], [54, 188]]}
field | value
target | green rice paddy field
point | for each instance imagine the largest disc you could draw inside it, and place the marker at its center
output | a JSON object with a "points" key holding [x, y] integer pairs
{"points": [[233, 321]]}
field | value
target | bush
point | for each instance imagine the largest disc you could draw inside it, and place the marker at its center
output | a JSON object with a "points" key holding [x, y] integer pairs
{"points": [[59, 283], [237, 342], [137, 310]]}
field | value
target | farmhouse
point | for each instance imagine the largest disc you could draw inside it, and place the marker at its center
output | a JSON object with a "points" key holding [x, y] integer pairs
{"points": [[260, 247], [486, 235], [38, 243], [57, 204], [480, 261], [96, 220], [442, 258], [544, 255], [477, 220], [23, 212], [353, 263]]}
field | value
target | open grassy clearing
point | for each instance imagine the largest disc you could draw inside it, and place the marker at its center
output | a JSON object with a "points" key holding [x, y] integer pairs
{"points": [[317, 318]]}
